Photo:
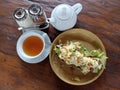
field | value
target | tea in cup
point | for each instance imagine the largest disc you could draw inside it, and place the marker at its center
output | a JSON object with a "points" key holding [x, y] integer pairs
{"points": [[30, 45]]}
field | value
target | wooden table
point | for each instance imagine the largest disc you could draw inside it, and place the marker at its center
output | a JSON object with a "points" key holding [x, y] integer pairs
{"points": [[101, 17]]}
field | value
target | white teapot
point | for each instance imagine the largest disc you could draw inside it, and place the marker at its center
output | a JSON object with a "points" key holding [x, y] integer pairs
{"points": [[64, 16]]}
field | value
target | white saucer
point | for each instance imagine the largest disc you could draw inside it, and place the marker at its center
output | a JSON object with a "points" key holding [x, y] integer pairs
{"points": [[44, 53]]}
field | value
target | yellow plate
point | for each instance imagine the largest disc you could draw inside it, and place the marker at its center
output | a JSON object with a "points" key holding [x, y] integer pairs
{"points": [[67, 73]]}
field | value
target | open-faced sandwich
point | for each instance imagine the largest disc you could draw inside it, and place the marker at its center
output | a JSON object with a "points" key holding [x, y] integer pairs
{"points": [[74, 53]]}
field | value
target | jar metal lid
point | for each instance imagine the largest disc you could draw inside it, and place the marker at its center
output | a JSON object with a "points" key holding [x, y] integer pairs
{"points": [[20, 14], [35, 10]]}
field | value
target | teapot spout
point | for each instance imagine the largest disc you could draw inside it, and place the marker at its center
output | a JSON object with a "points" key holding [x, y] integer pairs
{"points": [[51, 20]]}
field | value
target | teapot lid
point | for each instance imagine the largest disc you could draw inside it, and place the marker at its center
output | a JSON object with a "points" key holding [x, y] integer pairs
{"points": [[63, 12]]}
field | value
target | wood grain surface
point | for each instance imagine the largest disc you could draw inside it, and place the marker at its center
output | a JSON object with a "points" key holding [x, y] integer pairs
{"points": [[101, 17]]}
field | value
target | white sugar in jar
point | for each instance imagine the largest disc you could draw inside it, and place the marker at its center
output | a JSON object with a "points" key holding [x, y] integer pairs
{"points": [[22, 18]]}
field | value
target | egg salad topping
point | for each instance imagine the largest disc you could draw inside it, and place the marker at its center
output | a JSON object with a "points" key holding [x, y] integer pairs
{"points": [[74, 53]]}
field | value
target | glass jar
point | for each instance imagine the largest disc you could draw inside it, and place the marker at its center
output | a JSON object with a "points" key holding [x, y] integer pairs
{"points": [[22, 18], [38, 16]]}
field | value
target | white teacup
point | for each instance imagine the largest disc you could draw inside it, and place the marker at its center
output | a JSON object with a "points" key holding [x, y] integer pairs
{"points": [[25, 41]]}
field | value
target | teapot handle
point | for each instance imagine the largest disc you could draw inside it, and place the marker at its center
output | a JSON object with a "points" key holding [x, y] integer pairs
{"points": [[77, 8]]}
